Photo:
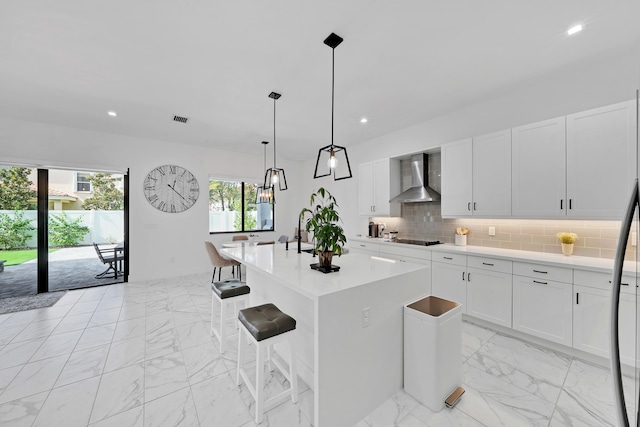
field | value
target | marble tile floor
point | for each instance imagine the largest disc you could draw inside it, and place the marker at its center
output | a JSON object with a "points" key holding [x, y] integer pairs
{"points": [[140, 354]]}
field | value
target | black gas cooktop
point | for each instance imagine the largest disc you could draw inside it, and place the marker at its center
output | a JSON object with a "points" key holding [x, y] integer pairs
{"points": [[418, 242]]}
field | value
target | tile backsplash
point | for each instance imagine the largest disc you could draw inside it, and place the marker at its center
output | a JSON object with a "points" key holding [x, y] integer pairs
{"points": [[424, 221]]}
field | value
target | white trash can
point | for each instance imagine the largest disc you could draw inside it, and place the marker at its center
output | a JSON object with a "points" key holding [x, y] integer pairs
{"points": [[432, 350]]}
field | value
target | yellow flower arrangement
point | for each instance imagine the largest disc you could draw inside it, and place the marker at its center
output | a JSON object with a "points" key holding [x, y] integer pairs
{"points": [[567, 237]]}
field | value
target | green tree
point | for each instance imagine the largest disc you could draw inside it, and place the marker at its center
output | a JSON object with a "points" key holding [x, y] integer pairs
{"points": [[14, 231], [64, 231], [106, 196], [225, 195], [15, 189]]}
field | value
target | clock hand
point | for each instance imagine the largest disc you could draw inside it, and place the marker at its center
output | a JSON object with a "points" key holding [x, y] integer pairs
{"points": [[176, 191]]}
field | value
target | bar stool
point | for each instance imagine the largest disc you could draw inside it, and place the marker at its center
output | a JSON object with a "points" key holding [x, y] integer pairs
{"points": [[227, 292], [264, 326]]}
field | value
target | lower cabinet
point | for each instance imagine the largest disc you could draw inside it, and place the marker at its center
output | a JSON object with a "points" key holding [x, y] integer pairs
{"points": [[592, 322], [365, 248], [542, 308], [489, 296], [448, 281]]}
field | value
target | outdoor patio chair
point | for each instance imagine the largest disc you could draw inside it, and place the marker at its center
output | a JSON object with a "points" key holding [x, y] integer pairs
{"points": [[218, 261], [112, 257]]}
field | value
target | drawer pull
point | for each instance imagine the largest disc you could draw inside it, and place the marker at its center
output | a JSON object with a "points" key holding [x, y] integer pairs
{"points": [[446, 257], [539, 271], [463, 276], [487, 263], [540, 283], [623, 284], [363, 246]]}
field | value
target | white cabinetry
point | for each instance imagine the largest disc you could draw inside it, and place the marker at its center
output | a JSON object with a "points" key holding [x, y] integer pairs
{"points": [[542, 301], [476, 176], [489, 289], [539, 170], [378, 182], [457, 178], [448, 277], [592, 315], [367, 248], [601, 161]]}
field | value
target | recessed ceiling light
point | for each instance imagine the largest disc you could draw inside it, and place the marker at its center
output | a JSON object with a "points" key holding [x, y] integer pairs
{"points": [[364, 120], [575, 29], [112, 113]]}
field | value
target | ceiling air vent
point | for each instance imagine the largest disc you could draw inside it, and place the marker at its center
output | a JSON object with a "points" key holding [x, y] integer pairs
{"points": [[180, 119]]}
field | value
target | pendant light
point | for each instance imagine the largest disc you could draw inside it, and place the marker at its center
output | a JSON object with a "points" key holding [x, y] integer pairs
{"points": [[333, 158], [265, 194], [275, 175]]}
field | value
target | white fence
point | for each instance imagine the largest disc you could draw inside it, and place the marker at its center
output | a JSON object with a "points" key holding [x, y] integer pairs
{"points": [[104, 226]]}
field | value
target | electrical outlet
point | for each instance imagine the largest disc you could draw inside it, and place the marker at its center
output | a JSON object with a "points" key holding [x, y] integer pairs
{"points": [[365, 317], [492, 231]]}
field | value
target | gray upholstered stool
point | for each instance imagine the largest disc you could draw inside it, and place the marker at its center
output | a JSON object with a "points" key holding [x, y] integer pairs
{"points": [[227, 292], [264, 326]]}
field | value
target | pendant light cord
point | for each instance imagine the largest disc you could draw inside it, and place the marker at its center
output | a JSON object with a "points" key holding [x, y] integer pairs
{"points": [[274, 133], [333, 79]]}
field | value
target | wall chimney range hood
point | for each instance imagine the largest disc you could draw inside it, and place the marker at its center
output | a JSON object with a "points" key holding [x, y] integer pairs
{"points": [[420, 190]]}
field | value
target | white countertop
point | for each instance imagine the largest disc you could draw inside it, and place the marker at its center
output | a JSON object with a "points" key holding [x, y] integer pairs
{"points": [[580, 262], [292, 269]]}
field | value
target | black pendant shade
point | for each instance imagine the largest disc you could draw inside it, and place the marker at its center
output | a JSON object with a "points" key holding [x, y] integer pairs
{"points": [[265, 194], [275, 175], [333, 159]]}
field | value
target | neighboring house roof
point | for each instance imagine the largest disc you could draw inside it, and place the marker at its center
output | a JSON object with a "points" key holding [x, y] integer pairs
{"points": [[56, 194]]}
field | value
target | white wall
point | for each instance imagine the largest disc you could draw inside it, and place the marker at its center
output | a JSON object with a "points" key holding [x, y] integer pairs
{"points": [[563, 92], [161, 244]]}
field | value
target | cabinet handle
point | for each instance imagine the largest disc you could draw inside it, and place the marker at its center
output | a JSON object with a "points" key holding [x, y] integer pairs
{"points": [[446, 257], [577, 298], [474, 206], [363, 246], [570, 204], [463, 276], [561, 204], [468, 277], [623, 284], [469, 206], [540, 283], [487, 263], [539, 271]]}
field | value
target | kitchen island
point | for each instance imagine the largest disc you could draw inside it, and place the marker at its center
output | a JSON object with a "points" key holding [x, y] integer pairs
{"points": [[349, 339]]}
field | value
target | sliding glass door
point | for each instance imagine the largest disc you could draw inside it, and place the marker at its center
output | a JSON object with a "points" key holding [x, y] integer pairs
{"points": [[61, 229]]}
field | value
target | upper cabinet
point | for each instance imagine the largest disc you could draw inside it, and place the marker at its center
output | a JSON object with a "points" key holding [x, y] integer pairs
{"points": [[580, 166], [378, 182], [538, 164], [601, 160], [476, 176], [457, 178]]}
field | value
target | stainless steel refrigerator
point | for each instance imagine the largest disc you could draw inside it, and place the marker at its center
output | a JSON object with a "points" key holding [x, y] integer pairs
{"points": [[626, 398]]}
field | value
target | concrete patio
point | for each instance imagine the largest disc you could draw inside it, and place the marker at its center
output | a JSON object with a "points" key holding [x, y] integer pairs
{"points": [[69, 268]]}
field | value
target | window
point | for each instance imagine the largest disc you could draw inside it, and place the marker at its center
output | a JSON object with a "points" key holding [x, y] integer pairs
{"points": [[232, 207], [82, 181]]}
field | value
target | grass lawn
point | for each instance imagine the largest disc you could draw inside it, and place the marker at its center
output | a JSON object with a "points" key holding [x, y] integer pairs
{"points": [[20, 256]]}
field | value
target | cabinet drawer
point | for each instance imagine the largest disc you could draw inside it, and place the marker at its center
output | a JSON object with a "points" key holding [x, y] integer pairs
{"points": [[366, 246], [596, 280], [491, 264], [403, 251], [449, 258], [541, 271]]}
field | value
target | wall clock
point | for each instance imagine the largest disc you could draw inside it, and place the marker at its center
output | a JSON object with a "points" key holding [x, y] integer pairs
{"points": [[171, 188]]}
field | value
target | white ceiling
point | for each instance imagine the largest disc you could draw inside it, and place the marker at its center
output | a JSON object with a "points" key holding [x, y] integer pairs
{"points": [[402, 62]]}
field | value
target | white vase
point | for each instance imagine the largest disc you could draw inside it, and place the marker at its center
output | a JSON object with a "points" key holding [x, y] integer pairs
{"points": [[567, 249], [461, 239]]}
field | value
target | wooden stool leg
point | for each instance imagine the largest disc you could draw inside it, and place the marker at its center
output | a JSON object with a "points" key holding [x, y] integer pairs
{"points": [[293, 375], [260, 383], [240, 355], [223, 318]]}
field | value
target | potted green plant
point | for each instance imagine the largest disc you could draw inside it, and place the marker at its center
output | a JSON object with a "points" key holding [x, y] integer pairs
{"points": [[328, 235]]}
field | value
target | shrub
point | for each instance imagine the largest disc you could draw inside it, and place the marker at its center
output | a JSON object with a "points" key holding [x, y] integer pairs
{"points": [[64, 231], [14, 231]]}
